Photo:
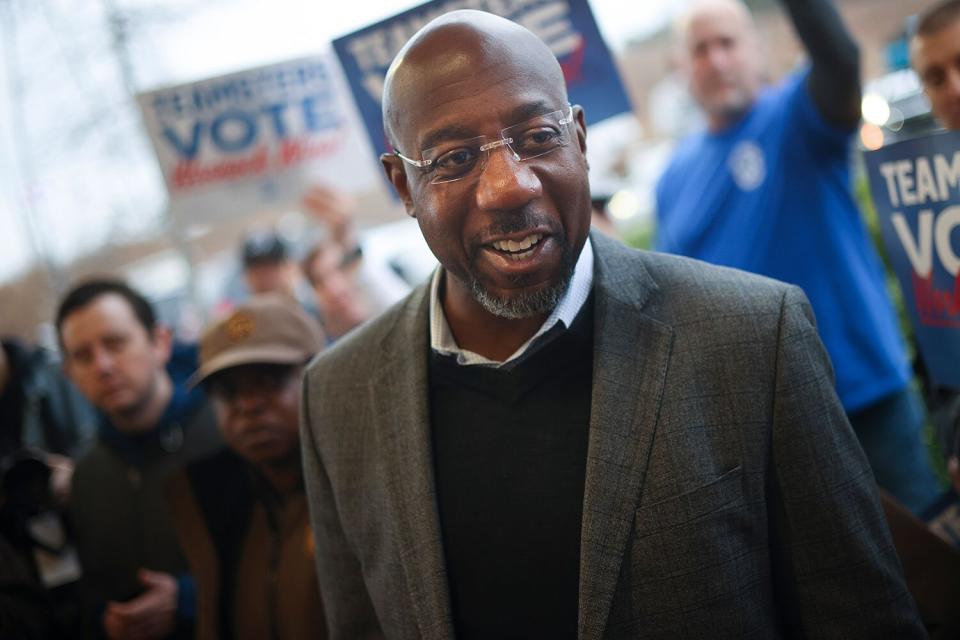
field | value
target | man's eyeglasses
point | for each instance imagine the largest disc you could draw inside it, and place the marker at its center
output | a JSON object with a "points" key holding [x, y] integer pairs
{"points": [[458, 159]]}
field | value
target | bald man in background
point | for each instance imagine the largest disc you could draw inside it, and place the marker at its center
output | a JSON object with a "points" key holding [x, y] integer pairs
{"points": [[766, 188]]}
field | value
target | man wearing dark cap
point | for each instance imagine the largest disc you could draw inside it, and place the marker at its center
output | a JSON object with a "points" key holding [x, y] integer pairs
{"points": [[559, 437], [267, 264], [241, 515]]}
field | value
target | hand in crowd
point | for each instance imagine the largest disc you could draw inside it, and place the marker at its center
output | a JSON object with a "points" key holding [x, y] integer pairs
{"points": [[150, 615], [333, 208], [61, 474]]}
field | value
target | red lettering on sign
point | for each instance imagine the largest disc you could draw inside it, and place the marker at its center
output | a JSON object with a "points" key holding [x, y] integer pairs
{"points": [[937, 307], [296, 151], [194, 174]]}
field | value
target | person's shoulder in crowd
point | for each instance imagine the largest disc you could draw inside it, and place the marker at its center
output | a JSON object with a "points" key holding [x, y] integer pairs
{"points": [[340, 359], [689, 286]]}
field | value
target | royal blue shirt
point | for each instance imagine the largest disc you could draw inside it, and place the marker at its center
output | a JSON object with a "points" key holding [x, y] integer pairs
{"points": [[771, 194]]}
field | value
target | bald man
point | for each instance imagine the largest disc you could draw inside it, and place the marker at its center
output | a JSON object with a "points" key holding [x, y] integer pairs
{"points": [[935, 55], [766, 188], [559, 437]]}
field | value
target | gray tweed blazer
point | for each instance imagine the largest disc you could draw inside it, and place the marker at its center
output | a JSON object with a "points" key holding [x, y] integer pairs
{"points": [[725, 494]]}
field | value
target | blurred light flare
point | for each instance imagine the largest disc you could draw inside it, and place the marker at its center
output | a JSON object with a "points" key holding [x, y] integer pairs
{"points": [[875, 109], [871, 136], [624, 205]]}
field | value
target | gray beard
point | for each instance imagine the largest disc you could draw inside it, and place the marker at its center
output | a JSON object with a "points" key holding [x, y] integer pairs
{"points": [[526, 305]]}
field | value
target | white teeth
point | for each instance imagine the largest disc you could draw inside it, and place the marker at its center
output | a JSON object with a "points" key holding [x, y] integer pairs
{"points": [[515, 247]]}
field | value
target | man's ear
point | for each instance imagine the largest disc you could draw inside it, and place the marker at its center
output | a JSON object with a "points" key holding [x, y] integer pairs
{"points": [[581, 121], [162, 339], [397, 175]]}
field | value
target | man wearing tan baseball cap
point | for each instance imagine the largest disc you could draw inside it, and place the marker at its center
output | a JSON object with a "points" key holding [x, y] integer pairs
{"points": [[241, 515]]}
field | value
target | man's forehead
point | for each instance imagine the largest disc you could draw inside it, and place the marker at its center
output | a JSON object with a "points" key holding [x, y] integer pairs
{"points": [[939, 46], [476, 103], [710, 16], [106, 313], [454, 59]]}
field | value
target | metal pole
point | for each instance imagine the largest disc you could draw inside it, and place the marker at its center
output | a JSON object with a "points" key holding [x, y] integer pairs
{"points": [[23, 161], [119, 34]]}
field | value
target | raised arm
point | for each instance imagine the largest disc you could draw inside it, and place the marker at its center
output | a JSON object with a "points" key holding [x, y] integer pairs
{"points": [[834, 81]]}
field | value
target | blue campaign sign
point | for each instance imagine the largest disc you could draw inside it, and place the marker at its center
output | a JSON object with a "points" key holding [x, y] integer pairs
{"points": [[567, 26], [916, 189]]}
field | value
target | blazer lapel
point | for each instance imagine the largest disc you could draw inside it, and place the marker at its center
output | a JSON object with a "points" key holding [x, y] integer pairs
{"points": [[631, 354], [399, 396]]}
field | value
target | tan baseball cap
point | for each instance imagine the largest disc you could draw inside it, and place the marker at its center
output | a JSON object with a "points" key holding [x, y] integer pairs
{"points": [[268, 329]]}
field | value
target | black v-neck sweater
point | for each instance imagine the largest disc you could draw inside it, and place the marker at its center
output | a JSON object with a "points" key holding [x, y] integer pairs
{"points": [[510, 452]]}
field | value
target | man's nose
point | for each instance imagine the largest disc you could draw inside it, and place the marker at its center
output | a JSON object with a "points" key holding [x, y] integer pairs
{"points": [[506, 183], [953, 82], [249, 399], [717, 57], [103, 360]]}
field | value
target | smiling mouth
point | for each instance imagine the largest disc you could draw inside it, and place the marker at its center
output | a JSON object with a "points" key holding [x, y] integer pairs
{"points": [[518, 249]]}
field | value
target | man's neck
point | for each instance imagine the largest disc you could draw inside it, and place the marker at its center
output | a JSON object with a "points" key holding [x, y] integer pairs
{"points": [[284, 478], [146, 417], [476, 329], [719, 121]]}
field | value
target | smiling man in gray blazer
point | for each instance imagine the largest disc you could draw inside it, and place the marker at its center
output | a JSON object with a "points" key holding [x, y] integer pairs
{"points": [[559, 437]]}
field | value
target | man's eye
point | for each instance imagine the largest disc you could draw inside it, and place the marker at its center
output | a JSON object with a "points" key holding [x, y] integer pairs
{"points": [[115, 343], [456, 161], [458, 158], [538, 139]]}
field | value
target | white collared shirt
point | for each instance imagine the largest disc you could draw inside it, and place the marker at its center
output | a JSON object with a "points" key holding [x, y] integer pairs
{"points": [[443, 342]]}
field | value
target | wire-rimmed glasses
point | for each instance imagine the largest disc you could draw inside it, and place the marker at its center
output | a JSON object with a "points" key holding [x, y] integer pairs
{"points": [[457, 159]]}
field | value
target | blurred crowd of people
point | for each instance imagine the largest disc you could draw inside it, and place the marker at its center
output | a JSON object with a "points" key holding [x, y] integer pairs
{"points": [[152, 489]]}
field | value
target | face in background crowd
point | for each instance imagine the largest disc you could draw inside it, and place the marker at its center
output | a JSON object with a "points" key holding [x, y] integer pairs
{"points": [[935, 55], [721, 58], [271, 277], [258, 409], [336, 289], [507, 232], [114, 360]]}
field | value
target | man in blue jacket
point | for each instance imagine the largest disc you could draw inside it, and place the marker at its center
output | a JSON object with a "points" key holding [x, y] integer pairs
{"points": [[766, 188]]}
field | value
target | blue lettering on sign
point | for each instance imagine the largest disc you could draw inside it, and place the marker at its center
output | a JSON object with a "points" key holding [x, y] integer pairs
{"points": [[245, 124], [236, 130], [188, 150]]}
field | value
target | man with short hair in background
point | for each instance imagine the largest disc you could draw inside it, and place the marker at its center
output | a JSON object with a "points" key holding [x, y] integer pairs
{"points": [[268, 266], [766, 188], [135, 583], [241, 514], [935, 56]]}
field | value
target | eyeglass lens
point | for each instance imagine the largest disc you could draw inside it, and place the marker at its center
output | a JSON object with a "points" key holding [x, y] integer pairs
{"points": [[538, 136]]}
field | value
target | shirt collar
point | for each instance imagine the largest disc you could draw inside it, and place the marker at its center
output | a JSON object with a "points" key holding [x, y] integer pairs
{"points": [[443, 342]]}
